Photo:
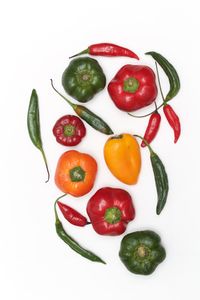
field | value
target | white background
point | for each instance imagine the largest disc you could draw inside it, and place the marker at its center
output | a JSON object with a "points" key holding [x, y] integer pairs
{"points": [[36, 39]]}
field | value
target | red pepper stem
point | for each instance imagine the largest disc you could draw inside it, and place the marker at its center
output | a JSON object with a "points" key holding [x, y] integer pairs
{"points": [[86, 51], [74, 106], [147, 144], [56, 214]]}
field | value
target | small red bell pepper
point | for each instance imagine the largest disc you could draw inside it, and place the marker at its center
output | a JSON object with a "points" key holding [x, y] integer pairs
{"points": [[110, 210], [133, 87], [69, 130]]}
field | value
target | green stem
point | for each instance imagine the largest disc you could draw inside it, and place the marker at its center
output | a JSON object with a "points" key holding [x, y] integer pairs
{"points": [[86, 51], [159, 82], [146, 143], [56, 214], [46, 164], [143, 116], [68, 101], [156, 106]]}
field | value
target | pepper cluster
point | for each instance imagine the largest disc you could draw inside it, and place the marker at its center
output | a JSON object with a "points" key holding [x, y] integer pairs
{"points": [[110, 209]]}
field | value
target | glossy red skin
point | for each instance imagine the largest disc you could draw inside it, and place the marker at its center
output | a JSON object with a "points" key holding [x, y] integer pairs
{"points": [[143, 96], [106, 198], [71, 215], [152, 128], [58, 130], [173, 121], [108, 49]]}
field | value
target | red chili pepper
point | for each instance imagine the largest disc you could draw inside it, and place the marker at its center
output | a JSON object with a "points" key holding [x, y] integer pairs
{"points": [[69, 130], [107, 49], [71, 215], [110, 210], [133, 87], [173, 121], [152, 128]]}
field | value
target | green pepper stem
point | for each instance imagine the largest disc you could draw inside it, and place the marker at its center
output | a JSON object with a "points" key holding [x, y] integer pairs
{"points": [[68, 101], [86, 51], [143, 116], [159, 82], [146, 143], [56, 214], [46, 164]]}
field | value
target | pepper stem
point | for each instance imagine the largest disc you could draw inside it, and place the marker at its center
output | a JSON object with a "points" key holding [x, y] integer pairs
{"points": [[46, 164], [143, 116], [56, 214], [142, 251], [159, 82], [74, 106], [113, 215], [86, 51], [146, 143], [131, 85], [77, 174]]}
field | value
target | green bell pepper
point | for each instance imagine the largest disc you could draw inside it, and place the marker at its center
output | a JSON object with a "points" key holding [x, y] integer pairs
{"points": [[83, 78], [141, 252]]}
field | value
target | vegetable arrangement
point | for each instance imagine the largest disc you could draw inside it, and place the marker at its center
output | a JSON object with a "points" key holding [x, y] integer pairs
{"points": [[110, 210]]}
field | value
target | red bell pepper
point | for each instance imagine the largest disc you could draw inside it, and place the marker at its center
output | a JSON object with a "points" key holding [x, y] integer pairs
{"points": [[133, 87], [110, 210]]}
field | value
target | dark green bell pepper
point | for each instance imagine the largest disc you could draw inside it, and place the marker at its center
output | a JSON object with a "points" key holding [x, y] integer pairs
{"points": [[141, 252], [83, 78]]}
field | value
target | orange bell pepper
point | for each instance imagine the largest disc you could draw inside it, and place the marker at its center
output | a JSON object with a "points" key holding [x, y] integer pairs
{"points": [[122, 156], [75, 173]]}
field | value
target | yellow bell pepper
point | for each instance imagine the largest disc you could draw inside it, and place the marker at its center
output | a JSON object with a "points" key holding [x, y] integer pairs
{"points": [[123, 158]]}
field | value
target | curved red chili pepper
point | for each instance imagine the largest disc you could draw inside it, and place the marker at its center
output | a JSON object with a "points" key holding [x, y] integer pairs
{"points": [[71, 215], [107, 49], [173, 121], [152, 128]]}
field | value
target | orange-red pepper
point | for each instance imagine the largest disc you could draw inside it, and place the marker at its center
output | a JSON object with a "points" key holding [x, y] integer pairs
{"points": [[75, 173]]}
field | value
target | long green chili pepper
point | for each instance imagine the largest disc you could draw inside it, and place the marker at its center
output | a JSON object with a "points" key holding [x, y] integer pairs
{"points": [[160, 176], [33, 123], [161, 180], [171, 73], [87, 115], [71, 242]]}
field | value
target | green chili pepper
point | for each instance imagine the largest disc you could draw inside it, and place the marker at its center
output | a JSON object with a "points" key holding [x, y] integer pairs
{"points": [[71, 242], [161, 180], [160, 176], [87, 115], [33, 123], [171, 73]]}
